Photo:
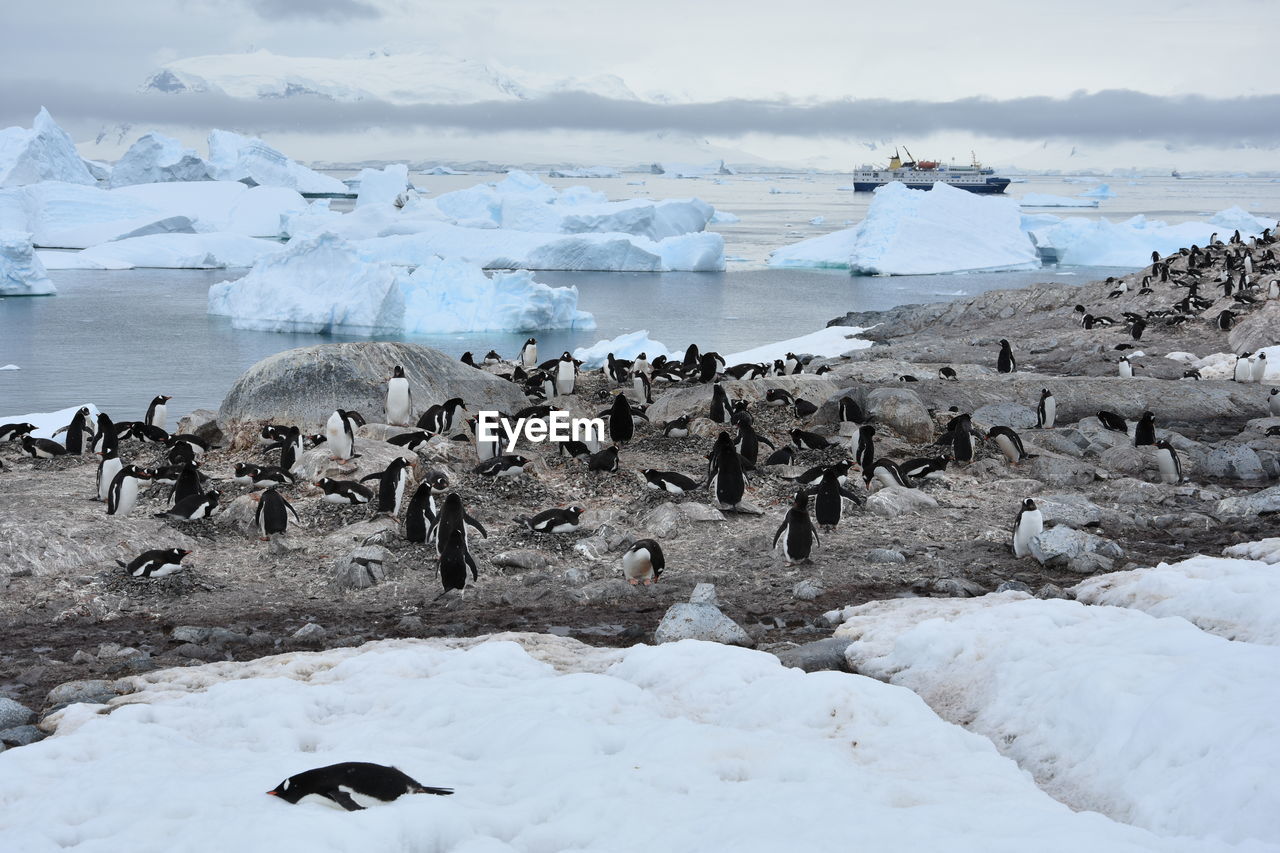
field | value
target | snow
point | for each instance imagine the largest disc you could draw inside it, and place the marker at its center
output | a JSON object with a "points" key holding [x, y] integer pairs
{"points": [[549, 745], [1149, 721], [626, 346], [826, 343], [1046, 200], [43, 153], [1236, 218], [217, 250], [382, 185], [325, 284], [918, 232], [155, 157], [60, 260], [1264, 550], [1101, 242], [233, 157], [21, 271], [1100, 191], [47, 423], [1235, 598]]}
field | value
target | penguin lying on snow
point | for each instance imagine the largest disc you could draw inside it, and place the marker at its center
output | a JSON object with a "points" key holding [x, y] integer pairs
{"points": [[156, 563], [342, 783]]}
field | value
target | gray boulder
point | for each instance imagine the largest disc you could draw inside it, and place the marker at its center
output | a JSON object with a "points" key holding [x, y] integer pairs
{"points": [[696, 400], [1054, 470], [1125, 459], [14, 714], [700, 512], [1227, 461], [808, 589], [1076, 510], [21, 736], [663, 521], [885, 555], [1013, 415], [1260, 329], [364, 567], [374, 457], [700, 619], [821, 656], [902, 411], [893, 501], [202, 423], [94, 691], [1267, 500], [522, 558], [1057, 546]]}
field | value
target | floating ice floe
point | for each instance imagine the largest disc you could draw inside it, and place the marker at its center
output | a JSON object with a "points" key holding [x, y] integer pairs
{"points": [[626, 346], [1149, 721], [441, 170], [549, 745], [918, 232], [325, 284], [233, 157], [43, 153], [155, 157], [10, 367], [21, 271], [824, 343], [382, 185], [1100, 191], [1045, 200]]}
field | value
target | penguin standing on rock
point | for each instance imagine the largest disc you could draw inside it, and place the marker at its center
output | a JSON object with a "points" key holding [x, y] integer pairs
{"points": [[1005, 362], [421, 514], [1046, 410], [392, 485], [1168, 462], [1244, 369], [719, 404], [1028, 525], [1258, 369], [528, 358], [340, 437], [399, 405], [1273, 402], [452, 518], [342, 783], [1125, 368], [643, 562], [566, 374], [1144, 433], [272, 515], [797, 532]]}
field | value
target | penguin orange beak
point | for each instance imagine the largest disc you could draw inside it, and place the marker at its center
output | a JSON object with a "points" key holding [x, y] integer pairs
{"points": [[272, 794]]}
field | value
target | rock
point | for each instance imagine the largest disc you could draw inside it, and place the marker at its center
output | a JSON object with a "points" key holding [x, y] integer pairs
{"points": [[957, 588], [196, 652], [82, 658], [1068, 442], [93, 691], [1267, 500], [1014, 586], [1050, 590], [1013, 415], [410, 624], [1053, 470], [604, 590], [14, 714], [1136, 492], [21, 736], [663, 521], [1058, 545], [704, 593], [202, 423], [1125, 459], [893, 501], [744, 507], [374, 457], [902, 411], [821, 656], [593, 547], [688, 621], [310, 633], [362, 568], [522, 558], [1075, 510], [696, 400], [1089, 563], [700, 512], [808, 589], [1227, 461], [304, 386], [885, 555], [1257, 330]]}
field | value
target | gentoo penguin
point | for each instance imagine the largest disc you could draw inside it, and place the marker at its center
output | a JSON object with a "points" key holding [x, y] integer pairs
{"points": [[343, 491], [198, 445], [1226, 319], [828, 505], [1244, 368], [719, 404], [272, 515], [802, 408], [392, 485], [1009, 442], [399, 405], [487, 449], [79, 432], [887, 473], [554, 520], [410, 440], [643, 562], [566, 374], [15, 431], [850, 411], [797, 532], [155, 563], [1028, 525], [948, 373], [468, 360], [455, 559], [491, 358], [1259, 367], [641, 366], [342, 783], [862, 445], [574, 450], [669, 481], [42, 448], [621, 427], [778, 397], [678, 428], [339, 436], [187, 483], [748, 442], [605, 459], [1046, 410], [157, 416], [421, 512], [691, 357], [785, 455], [506, 465], [291, 448], [642, 387], [929, 467], [1005, 363], [1136, 328], [438, 419], [107, 470], [452, 517], [617, 369], [528, 358], [106, 436], [1169, 463], [961, 438], [708, 366], [1273, 402], [814, 475], [725, 479], [1112, 421], [1144, 432], [808, 440], [193, 508], [260, 476], [1125, 368], [1273, 289], [123, 491]]}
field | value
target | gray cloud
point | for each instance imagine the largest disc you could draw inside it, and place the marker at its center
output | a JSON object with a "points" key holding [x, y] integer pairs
{"points": [[1103, 116], [324, 10]]}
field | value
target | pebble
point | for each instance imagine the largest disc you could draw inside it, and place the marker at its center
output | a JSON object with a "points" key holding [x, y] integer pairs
{"points": [[885, 555], [310, 632], [14, 713], [808, 590], [21, 736], [94, 690]]}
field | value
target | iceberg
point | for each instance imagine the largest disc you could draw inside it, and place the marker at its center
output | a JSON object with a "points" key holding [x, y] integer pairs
{"points": [[691, 170], [1046, 200], [626, 346], [233, 157], [100, 171], [1238, 219], [43, 153], [1101, 242], [588, 172], [216, 250], [325, 284], [919, 232], [155, 157], [382, 185], [1100, 191], [21, 272], [441, 170]]}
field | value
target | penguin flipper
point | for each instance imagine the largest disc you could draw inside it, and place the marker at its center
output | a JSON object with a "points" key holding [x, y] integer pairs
{"points": [[764, 440], [475, 576], [122, 564], [343, 799], [377, 476], [814, 529], [853, 496], [781, 527], [291, 509], [477, 525]]}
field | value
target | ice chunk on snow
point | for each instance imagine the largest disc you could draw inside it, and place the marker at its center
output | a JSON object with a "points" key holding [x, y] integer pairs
{"points": [[233, 157], [21, 272], [47, 423], [918, 232], [43, 153], [824, 343], [217, 250], [326, 284], [155, 158], [1264, 551], [1100, 191], [1238, 599], [1149, 721], [382, 185], [627, 346], [1045, 200]]}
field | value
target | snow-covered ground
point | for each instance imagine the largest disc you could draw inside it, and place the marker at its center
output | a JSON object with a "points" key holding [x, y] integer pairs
{"points": [[1150, 721], [627, 346], [47, 423], [825, 343], [549, 745]]}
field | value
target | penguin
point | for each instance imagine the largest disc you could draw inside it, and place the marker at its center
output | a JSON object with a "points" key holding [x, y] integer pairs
{"points": [[725, 479], [106, 436], [168, 475], [643, 562], [808, 440], [42, 448], [1046, 410], [157, 415], [188, 482], [339, 436], [439, 418], [778, 397], [719, 404], [193, 508], [924, 468], [862, 446], [797, 532], [343, 491], [79, 432], [948, 373], [850, 411], [528, 358], [1137, 327], [678, 428], [15, 431], [641, 366], [410, 440], [691, 357], [1273, 402], [887, 473], [1009, 442], [962, 439], [491, 358], [123, 491], [1126, 369], [1259, 367], [1226, 319], [828, 505], [1273, 289], [574, 449], [708, 365], [107, 470], [1168, 462], [421, 512], [1028, 525], [803, 408], [748, 442], [504, 465], [272, 515], [604, 460], [669, 481], [1112, 421], [455, 559], [555, 520], [1244, 369], [291, 448], [392, 484], [785, 455], [487, 449], [566, 374], [260, 476], [617, 369], [341, 783], [198, 445], [642, 387], [814, 475], [1006, 363], [452, 517], [1145, 431], [155, 563], [621, 427], [399, 405], [468, 360]]}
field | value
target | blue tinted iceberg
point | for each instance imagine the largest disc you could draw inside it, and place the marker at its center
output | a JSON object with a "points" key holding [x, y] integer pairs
{"points": [[21, 272]]}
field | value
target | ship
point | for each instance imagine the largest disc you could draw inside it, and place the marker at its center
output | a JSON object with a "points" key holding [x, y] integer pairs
{"points": [[923, 174]]}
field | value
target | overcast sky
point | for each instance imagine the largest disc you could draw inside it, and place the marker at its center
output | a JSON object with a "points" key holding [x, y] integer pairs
{"points": [[753, 60]]}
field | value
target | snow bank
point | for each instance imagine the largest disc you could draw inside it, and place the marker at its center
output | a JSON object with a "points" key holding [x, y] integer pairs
{"points": [[382, 185], [1264, 551], [21, 271], [1235, 598], [549, 745], [325, 284], [178, 251], [155, 157], [1101, 242], [918, 232], [1045, 200], [1149, 721], [43, 153], [627, 346], [233, 157], [827, 343], [47, 423]]}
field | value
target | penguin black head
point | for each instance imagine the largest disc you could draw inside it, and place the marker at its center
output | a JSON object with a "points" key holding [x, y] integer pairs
{"points": [[1028, 505], [801, 501], [398, 373]]}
